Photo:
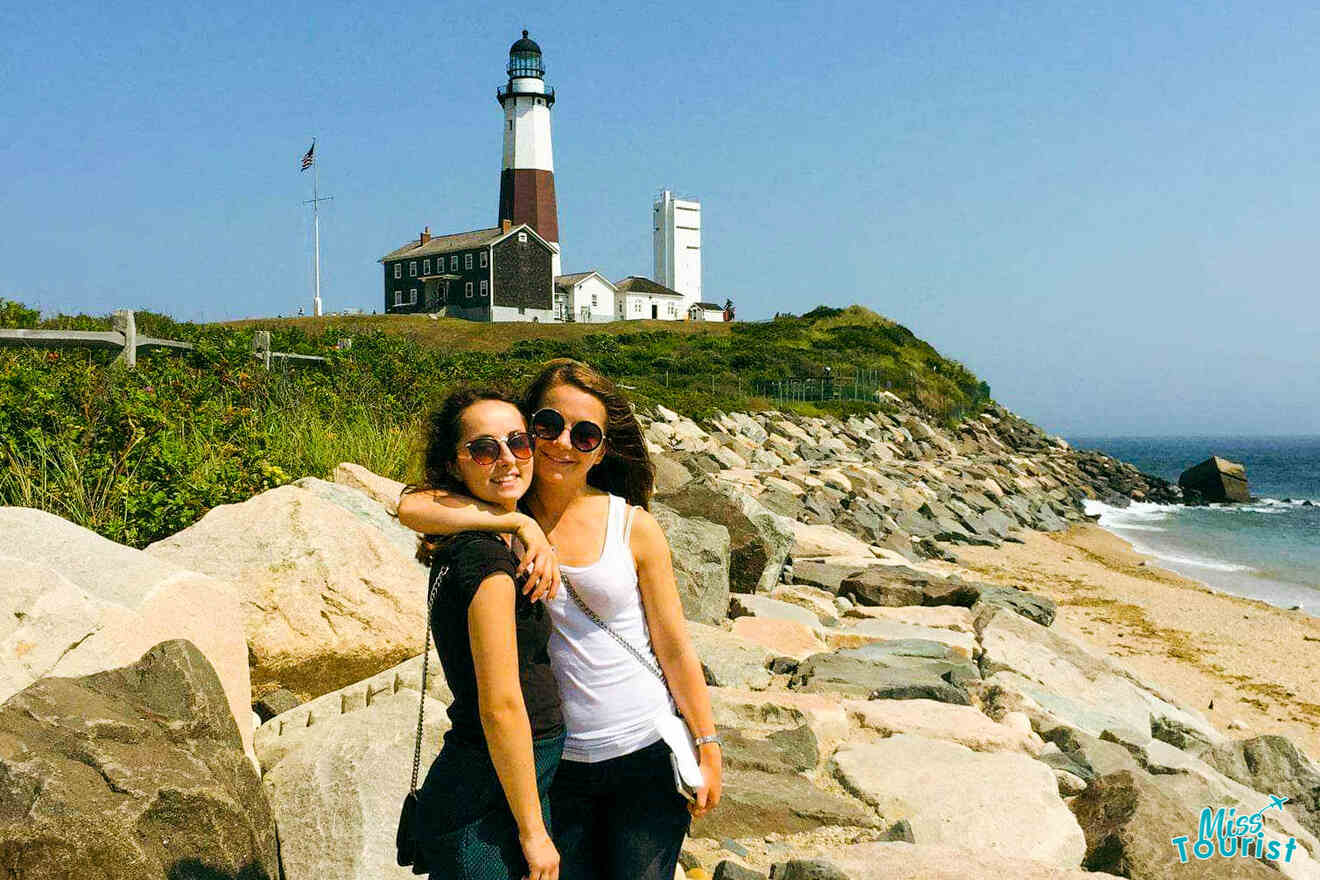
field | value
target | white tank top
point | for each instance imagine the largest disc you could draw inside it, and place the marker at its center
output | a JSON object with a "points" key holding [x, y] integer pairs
{"points": [[609, 699]]}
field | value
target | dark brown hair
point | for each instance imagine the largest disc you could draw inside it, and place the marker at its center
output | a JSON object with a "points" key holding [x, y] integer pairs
{"points": [[443, 427], [626, 468]]}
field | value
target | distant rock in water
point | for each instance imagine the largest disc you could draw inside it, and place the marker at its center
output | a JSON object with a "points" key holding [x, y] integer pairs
{"points": [[1215, 479]]}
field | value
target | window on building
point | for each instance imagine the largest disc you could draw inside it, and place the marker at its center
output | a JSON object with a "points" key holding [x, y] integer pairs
{"points": [[673, 310], [467, 290], [412, 269], [637, 306], [483, 287], [398, 297], [453, 263], [412, 296], [595, 301], [398, 270], [426, 267], [483, 259], [467, 261], [522, 238]]}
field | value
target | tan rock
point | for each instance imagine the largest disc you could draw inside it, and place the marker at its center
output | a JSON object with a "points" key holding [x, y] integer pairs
{"points": [[77, 603], [741, 708], [327, 599], [785, 638], [905, 861], [944, 721], [382, 489], [823, 540], [877, 629], [938, 617]]}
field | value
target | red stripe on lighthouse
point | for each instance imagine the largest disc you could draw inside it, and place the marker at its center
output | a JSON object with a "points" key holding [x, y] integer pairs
{"points": [[527, 195]]}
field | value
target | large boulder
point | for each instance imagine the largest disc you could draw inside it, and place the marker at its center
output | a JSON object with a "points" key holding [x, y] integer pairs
{"points": [[76, 603], [700, 551], [368, 510], [759, 539], [1002, 802], [1130, 820], [963, 725], [327, 598], [382, 490], [897, 678], [1273, 764], [1216, 479], [129, 773], [336, 784]]}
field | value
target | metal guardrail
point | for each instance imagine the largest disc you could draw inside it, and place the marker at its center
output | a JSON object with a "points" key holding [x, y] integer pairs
{"points": [[125, 338]]}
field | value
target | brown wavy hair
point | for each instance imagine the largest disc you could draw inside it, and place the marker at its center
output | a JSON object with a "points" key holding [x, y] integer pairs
{"points": [[440, 433], [626, 469]]}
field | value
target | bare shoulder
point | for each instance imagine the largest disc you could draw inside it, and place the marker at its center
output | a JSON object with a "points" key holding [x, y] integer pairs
{"points": [[646, 535]]}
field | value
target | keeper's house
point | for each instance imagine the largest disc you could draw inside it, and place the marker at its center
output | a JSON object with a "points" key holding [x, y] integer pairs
{"points": [[499, 274], [584, 296], [638, 298]]}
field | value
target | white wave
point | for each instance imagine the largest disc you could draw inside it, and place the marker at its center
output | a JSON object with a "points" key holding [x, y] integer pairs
{"points": [[1139, 516], [1207, 564]]}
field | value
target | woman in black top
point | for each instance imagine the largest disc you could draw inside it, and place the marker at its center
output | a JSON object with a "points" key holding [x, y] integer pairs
{"points": [[483, 807]]}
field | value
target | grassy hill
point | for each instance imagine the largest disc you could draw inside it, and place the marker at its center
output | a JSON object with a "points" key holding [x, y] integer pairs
{"points": [[137, 455]]}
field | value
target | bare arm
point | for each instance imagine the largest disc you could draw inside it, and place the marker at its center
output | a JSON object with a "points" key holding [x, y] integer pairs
{"points": [[504, 716], [437, 512], [678, 659]]}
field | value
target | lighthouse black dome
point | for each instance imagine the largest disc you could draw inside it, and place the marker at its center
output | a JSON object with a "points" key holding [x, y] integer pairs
{"points": [[524, 45], [525, 59]]}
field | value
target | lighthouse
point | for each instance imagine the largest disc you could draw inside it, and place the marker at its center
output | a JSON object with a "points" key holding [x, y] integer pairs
{"points": [[527, 177]]}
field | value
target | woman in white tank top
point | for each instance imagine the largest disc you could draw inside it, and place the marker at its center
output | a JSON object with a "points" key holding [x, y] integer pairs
{"points": [[614, 809]]}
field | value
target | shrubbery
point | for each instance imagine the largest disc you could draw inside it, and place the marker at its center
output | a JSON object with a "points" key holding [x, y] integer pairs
{"points": [[138, 455]]}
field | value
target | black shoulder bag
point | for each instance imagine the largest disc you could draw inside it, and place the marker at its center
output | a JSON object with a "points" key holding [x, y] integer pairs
{"points": [[406, 839]]}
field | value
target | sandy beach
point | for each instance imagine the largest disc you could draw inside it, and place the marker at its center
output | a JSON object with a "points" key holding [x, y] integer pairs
{"points": [[1236, 660]]}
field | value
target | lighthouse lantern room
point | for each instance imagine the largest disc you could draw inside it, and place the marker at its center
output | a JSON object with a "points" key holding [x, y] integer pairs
{"points": [[527, 178]]}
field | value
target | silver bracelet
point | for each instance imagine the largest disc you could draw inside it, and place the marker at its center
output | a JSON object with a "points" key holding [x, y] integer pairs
{"points": [[713, 738]]}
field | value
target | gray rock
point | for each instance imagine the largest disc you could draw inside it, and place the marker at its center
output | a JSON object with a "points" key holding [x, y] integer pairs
{"points": [[1129, 820], [756, 803], [727, 870], [759, 540], [670, 476], [700, 551], [870, 680], [823, 573], [882, 585], [807, 869], [1274, 765], [1032, 606], [274, 703], [129, 773], [367, 510], [730, 661], [950, 591]]}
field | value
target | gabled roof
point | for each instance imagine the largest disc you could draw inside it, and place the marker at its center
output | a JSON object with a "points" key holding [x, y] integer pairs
{"points": [[442, 244], [458, 241], [564, 282], [638, 284], [710, 307]]}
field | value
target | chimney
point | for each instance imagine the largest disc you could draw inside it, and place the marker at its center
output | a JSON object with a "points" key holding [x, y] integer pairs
{"points": [[424, 237], [506, 225]]}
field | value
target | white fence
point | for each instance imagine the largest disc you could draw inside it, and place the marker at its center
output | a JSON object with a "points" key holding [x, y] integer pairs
{"points": [[124, 336]]}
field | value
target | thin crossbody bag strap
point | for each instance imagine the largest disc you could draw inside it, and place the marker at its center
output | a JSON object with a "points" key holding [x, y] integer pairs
{"points": [[595, 618], [426, 659]]}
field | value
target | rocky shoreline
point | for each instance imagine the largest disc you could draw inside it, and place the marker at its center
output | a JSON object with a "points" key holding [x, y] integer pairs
{"points": [[241, 697]]}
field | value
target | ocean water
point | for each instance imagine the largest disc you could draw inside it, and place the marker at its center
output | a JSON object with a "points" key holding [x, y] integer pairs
{"points": [[1268, 549]]}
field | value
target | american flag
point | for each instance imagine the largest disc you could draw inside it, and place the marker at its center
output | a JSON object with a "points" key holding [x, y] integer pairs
{"points": [[308, 160]]}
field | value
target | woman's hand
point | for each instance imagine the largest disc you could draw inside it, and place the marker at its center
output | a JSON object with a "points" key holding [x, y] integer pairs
{"points": [[712, 770], [538, 562], [541, 855]]}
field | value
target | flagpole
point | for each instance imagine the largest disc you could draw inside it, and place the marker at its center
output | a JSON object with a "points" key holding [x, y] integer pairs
{"points": [[316, 227], [314, 160]]}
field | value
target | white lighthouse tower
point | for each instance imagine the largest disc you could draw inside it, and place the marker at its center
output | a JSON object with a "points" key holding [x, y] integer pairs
{"points": [[676, 225], [527, 179]]}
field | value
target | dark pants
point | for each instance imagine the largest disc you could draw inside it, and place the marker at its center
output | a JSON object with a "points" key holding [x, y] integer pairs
{"points": [[468, 831], [619, 819]]}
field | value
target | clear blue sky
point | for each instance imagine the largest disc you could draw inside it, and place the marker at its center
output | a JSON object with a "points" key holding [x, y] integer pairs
{"points": [[1108, 211]]}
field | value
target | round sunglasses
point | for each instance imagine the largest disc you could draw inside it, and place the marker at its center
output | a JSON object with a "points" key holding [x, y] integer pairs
{"points": [[548, 424], [486, 450]]}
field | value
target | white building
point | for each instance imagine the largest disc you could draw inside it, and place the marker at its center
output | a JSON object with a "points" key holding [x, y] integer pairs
{"points": [[677, 238], [586, 297], [640, 298], [703, 311]]}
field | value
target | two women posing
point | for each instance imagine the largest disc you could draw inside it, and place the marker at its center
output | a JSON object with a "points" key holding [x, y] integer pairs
{"points": [[553, 718]]}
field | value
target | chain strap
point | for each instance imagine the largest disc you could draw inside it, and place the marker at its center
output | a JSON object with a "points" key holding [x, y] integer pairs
{"points": [[595, 618], [426, 659]]}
